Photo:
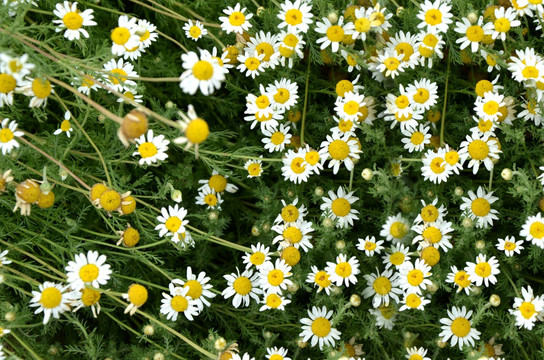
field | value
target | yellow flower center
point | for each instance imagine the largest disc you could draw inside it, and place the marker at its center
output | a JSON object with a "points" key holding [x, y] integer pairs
{"points": [[460, 327], [339, 149], [51, 298], [266, 49], [397, 258], [293, 17], [292, 234], [145, 36], [430, 40], [194, 32], [452, 157], [131, 237], [137, 294], [179, 303], [491, 60], [254, 169], [252, 63], [530, 72], [275, 277], [291, 40], [203, 70], [90, 297], [402, 101], [237, 18], [429, 213], [72, 20], [509, 245], [421, 96], [415, 277], [417, 138], [291, 255], [475, 33], [218, 183], [257, 258], [120, 35], [88, 272], [398, 230], [345, 125], [502, 25], [312, 157], [335, 33], [119, 77], [321, 327], [430, 255], [478, 149], [65, 125], [15, 66], [391, 63], [343, 269], [210, 199], [480, 207], [41, 88], [527, 310], [537, 230], [273, 301], [433, 17], [297, 166], [485, 125], [377, 18], [242, 285], [462, 279], [262, 102], [343, 86], [322, 279], [351, 107], [482, 87], [491, 107], [147, 149], [370, 246], [282, 95], [432, 235], [387, 311], [382, 285], [285, 51], [289, 213], [110, 200], [405, 49], [483, 269], [6, 135], [362, 25], [277, 138], [197, 131], [173, 224], [7, 83], [413, 301], [340, 207]]}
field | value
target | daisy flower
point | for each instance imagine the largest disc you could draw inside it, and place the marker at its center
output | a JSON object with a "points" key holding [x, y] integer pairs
{"points": [[194, 31], [491, 60], [343, 271], [413, 301], [509, 245], [406, 118], [415, 353], [274, 276], [527, 308], [195, 129], [461, 279], [296, 16], [172, 221], [294, 167], [428, 45], [5, 179], [90, 269], [533, 230], [52, 299], [344, 127], [3, 259], [176, 302], [38, 89], [531, 111], [199, 289], [370, 246], [294, 233], [260, 105], [362, 23], [87, 297], [119, 71], [397, 256], [339, 150], [146, 33], [65, 126], [453, 161], [458, 327], [277, 354], [333, 34], [433, 234], [152, 149], [422, 94], [479, 149], [284, 92], [266, 122], [267, 44], [415, 139], [478, 207], [8, 135], [202, 73], [252, 62], [276, 138], [218, 183], [236, 20], [131, 95], [473, 34], [527, 67], [395, 228], [258, 257], [388, 63], [272, 300], [404, 44], [385, 316], [381, 287], [72, 20], [290, 47], [85, 84], [210, 198], [484, 127], [8, 84], [254, 167], [291, 213], [320, 279], [505, 19], [338, 205], [483, 271], [242, 287], [353, 59], [436, 16], [413, 278], [379, 19], [18, 67], [431, 212], [347, 107], [123, 37], [488, 107], [246, 356], [312, 159], [318, 328]]}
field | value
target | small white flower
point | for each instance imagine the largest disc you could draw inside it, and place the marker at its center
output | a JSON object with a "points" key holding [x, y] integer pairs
{"points": [[194, 31], [72, 20], [458, 327], [152, 149], [236, 20], [483, 271], [509, 245], [88, 269], [318, 328], [343, 271]]}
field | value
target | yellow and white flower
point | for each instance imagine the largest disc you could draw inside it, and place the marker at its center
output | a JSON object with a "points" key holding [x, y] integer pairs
{"points": [[194, 31], [527, 67], [339, 150], [388, 63], [458, 327], [152, 149], [8, 85], [413, 278], [267, 122], [429, 44], [423, 94], [176, 302], [478, 207], [273, 277], [146, 33], [272, 300], [199, 289], [479, 149], [362, 23], [435, 17], [433, 234], [258, 257], [87, 297], [395, 228], [385, 316], [236, 20], [381, 287], [119, 71], [39, 89], [88, 269], [527, 308], [483, 271], [296, 16], [277, 354], [291, 213], [65, 126], [339, 206], [276, 138], [202, 73], [18, 67], [414, 300], [320, 279], [370, 246], [252, 62], [405, 45], [397, 256], [461, 279], [312, 159], [505, 19], [295, 234], [73, 20], [431, 212], [343, 271], [8, 135], [416, 139], [318, 328], [242, 287], [533, 230], [124, 37], [333, 34], [295, 168], [172, 221], [195, 129], [509, 245], [290, 47], [267, 44], [379, 19], [347, 107], [353, 59], [52, 299], [473, 34], [284, 94], [209, 197], [219, 183], [254, 167]]}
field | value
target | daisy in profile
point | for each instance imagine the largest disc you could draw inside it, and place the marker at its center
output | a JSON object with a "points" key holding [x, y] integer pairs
{"points": [[39, 89], [531, 112], [123, 37], [284, 92], [343, 271], [527, 308], [483, 271], [435, 17], [414, 300], [254, 167], [251, 63], [413, 278], [52, 299], [395, 228], [119, 71], [295, 168], [276, 138], [266, 122], [294, 233], [202, 73], [505, 19], [385, 316], [381, 287], [132, 96], [274, 276], [320, 279], [333, 34], [172, 221], [258, 257], [318, 328], [461, 279], [177, 302], [151, 149], [347, 106], [85, 84], [533, 230], [397, 257], [194, 31], [8, 135], [88, 269], [195, 129], [146, 33], [473, 34], [208, 197], [219, 183], [509, 245], [272, 300], [478, 207], [338, 205], [72, 20], [242, 287], [236, 20], [339, 150], [353, 59], [370, 246], [416, 139], [296, 16], [458, 327], [415, 353], [434, 167]]}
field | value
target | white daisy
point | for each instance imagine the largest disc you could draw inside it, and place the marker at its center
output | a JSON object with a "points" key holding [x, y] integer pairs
{"points": [[312, 159], [242, 287], [208, 197], [8, 135], [353, 59], [397, 256], [379, 19], [131, 95], [479, 149], [458, 327], [52, 299], [533, 230], [388, 63], [85, 84], [277, 354], [416, 139], [218, 183], [146, 33], [260, 105], [266, 122], [430, 212], [318, 328], [483, 271], [267, 44], [276, 138], [343, 271], [460, 278], [274, 276], [478, 207], [527, 67], [296, 16], [491, 60], [291, 46], [347, 107], [258, 257], [123, 37], [254, 167], [415, 353], [333, 34], [195, 129], [488, 107], [252, 62], [90, 269], [8, 85], [284, 92], [344, 127], [18, 67], [436, 16], [433, 234], [429, 44], [199, 289], [118, 75], [473, 34], [484, 127], [339, 150], [152, 149], [381, 287], [320, 279], [413, 300], [423, 94], [339, 206], [413, 278], [87, 297], [385, 316], [405, 45], [72, 20], [527, 308], [531, 112], [509, 245], [176, 302], [202, 73], [294, 167], [505, 19], [406, 118], [370, 246], [236, 20], [272, 300], [454, 162], [362, 23], [395, 228], [39, 89], [291, 213], [194, 31], [294, 233], [172, 221]]}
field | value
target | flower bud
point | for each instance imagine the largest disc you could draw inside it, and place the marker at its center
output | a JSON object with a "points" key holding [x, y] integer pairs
{"points": [[506, 174], [2, 278], [170, 105], [291, 193], [293, 288], [158, 356], [10, 316], [333, 17], [176, 195], [319, 191], [495, 300], [458, 191], [340, 244], [220, 344], [480, 244], [476, 291], [400, 10], [255, 231], [149, 330], [441, 343], [432, 287], [472, 17], [336, 290], [213, 215], [301, 344], [430, 193], [266, 227], [268, 335], [467, 222], [367, 174], [328, 222], [355, 300], [63, 174], [260, 11]]}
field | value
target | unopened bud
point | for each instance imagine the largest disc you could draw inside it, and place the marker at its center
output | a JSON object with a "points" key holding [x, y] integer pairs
{"points": [[333, 17], [291, 193], [10, 316], [340, 244], [476, 291], [319, 191], [266, 227], [170, 105], [268, 335], [441, 343], [336, 290], [255, 231], [293, 288], [495, 300], [355, 300], [158, 356], [432, 287], [506, 174], [220, 344], [260, 11], [213, 215], [176, 195], [459, 191], [63, 174], [480, 244], [301, 343], [467, 222], [367, 174], [149, 330], [328, 222], [472, 17]]}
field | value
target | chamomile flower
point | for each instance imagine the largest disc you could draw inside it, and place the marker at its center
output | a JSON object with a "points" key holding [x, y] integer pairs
{"points": [[242, 287], [353, 59], [294, 233], [152, 149], [422, 94], [320, 279], [388, 63], [339, 150], [52, 299], [435, 17], [130, 95], [290, 213], [209, 197], [313, 159], [347, 107], [267, 44], [8, 84], [274, 276], [333, 34], [453, 160], [484, 127], [260, 105], [296, 16], [176, 302], [527, 67], [379, 19], [370, 246], [272, 300], [473, 34], [385, 316], [344, 127], [254, 167], [509, 245], [395, 228], [199, 288], [3, 259], [146, 33], [429, 44], [488, 107], [416, 139], [39, 89], [290, 47], [195, 129], [397, 256], [343, 271], [123, 37], [458, 327], [8, 135], [277, 354], [85, 84], [295, 168], [219, 183], [413, 278], [381, 287], [461, 279], [88, 269], [172, 221], [433, 234], [339, 206], [505, 19], [18, 67], [87, 297], [236, 20], [276, 138], [431, 212], [72, 20], [478, 207], [406, 118], [413, 300], [531, 111], [533, 230], [194, 31], [483, 271], [527, 308], [252, 62], [258, 257], [362, 23], [118, 75], [266, 122], [202, 73], [405, 45], [491, 60], [368, 111], [479, 149], [284, 93], [318, 328]]}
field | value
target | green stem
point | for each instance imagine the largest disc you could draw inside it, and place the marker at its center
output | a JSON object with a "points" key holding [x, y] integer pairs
{"points": [[305, 102], [236, 156], [443, 121], [28, 348], [33, 257]]}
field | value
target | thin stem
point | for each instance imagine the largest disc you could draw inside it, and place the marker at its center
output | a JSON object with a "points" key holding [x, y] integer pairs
{"points": [[443, 121], [490, 178], [26, 346], [305, 103], [214, 38], [172, 40], [351, 178], [20, 274], [236, 156], [33, 257]]}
